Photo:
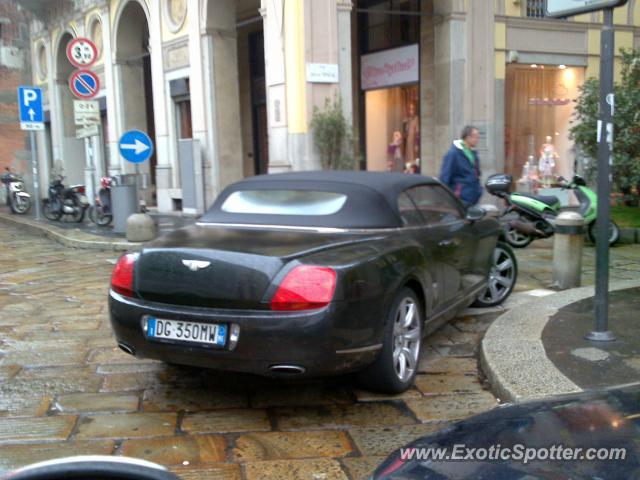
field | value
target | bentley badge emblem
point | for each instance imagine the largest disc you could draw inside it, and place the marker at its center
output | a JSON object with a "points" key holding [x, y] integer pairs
{"points": [[195, 265]]}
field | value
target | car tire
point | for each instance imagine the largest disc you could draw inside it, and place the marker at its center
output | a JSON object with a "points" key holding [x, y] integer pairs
{"points": [[614, 232], [395, 368], [502, 277]]}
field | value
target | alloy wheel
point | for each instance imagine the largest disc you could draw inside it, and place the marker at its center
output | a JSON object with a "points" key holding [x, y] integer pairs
{"points": [[406, 339], [501, 276], [517, 238]]}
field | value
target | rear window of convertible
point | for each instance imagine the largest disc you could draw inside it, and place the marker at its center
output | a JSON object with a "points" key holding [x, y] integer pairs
{"points": [[284, 202]]}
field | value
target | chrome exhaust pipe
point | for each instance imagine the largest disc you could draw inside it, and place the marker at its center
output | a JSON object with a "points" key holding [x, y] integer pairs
{"points": [[126, 348], [287, 369], [528, 228]]}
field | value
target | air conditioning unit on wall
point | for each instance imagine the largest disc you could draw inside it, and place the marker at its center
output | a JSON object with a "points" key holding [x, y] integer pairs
{"points": [[11, 57]]}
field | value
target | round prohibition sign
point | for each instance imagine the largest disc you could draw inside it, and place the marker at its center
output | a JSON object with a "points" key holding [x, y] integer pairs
{"points": [[82, 52], [84, 84]]}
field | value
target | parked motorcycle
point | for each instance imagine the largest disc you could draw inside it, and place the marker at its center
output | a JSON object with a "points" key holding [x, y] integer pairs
{"points": [[18, 198], [101, 213], [536, 214], [64, 201]]}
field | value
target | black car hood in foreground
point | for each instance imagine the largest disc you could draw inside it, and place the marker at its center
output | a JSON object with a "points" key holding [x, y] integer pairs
{"points": [[602, 420]]}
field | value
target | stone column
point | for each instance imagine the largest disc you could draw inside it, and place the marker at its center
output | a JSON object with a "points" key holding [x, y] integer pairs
{"points": [[273, 17], [115, 126], [450, 53], [430, 155], [197, 91], [214, 86], [42, 152], [71, 151], [57, 127], [51, 93], [344, 58], [480, 105], [163, 165]]}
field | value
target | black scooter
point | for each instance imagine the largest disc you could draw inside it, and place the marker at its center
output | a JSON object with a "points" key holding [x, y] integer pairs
{"points": [[18, 198], [64, 201]]}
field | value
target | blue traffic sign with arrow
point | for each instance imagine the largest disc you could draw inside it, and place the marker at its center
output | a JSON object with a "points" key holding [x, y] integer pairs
{"points": [[30, 100], [136, 146]]}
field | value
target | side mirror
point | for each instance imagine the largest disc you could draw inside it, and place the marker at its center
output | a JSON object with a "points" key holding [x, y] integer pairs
{"points": [[475, 213]]}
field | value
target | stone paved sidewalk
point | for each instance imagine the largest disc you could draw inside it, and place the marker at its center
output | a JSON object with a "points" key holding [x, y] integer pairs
{"points": [[66, 390]]}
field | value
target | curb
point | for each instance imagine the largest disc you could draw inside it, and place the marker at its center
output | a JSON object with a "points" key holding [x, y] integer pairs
{"points": [[53, 233], [513, 357]]}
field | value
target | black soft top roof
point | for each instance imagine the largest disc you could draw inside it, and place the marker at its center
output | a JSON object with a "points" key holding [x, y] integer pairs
{"points": [[371, 198]]}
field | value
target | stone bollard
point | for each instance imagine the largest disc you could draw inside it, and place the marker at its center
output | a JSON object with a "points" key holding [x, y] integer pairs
{"points": [[567, 250], [140, 228]]}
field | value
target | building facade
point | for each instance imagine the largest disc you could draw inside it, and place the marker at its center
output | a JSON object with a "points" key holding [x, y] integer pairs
{"points": [[14, 71], [226, 89]]}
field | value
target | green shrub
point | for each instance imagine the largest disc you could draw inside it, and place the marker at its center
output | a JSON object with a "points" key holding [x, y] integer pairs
{"points": [[626, 148], [332, 136]]}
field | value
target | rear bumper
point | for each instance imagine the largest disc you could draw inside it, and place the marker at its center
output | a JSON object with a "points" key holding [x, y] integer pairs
{"points": [[305, 339]]}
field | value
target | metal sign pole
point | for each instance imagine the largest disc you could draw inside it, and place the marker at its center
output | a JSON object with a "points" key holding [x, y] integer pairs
{"points": [[605, 158], [36, 182], [138, 188], [91, 187]]}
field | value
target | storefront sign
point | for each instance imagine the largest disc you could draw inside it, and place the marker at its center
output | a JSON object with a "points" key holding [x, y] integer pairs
{"points": [[397, 66], [86, 112], [563, 8], [322, 72]]}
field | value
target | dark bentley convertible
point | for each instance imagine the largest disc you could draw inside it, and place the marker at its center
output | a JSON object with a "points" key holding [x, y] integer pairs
{"points": [[312, 273]]}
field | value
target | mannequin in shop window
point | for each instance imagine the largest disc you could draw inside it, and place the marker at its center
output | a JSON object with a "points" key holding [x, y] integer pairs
{"points": [[411, 130], [395, 157], [547, 163]]}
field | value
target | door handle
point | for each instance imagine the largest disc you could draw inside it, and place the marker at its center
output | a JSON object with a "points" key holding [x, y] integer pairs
{"points": [[445, 243]]}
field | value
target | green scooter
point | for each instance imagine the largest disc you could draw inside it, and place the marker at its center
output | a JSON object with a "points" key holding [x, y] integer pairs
{"points": [[536, 214]]}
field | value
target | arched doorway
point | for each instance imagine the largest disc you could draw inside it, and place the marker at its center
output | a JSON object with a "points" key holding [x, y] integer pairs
{"points": [[133, 67], [71, 154]]}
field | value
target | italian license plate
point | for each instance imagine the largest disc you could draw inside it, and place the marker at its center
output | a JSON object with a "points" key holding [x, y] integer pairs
{"points": [[191, 332]]}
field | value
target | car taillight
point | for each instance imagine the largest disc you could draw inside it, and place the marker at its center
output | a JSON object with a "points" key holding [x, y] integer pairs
{"points": [[122, 276], [304, 288]]}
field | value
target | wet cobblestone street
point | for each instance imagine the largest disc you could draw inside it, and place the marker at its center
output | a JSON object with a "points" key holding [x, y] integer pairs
{"points": [[67, 390]]}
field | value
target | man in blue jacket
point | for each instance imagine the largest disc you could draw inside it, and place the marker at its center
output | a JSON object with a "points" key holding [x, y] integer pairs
{"points": [[461, 167]]}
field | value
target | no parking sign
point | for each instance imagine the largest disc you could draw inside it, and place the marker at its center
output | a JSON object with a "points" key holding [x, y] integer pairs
{"points": [[84, 84]]}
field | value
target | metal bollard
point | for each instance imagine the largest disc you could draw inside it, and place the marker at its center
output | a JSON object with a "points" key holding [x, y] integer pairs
{"points": [[567, 250]]}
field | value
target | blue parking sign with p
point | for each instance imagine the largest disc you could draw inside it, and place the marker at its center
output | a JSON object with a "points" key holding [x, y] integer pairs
{"points": [[30, 103]]}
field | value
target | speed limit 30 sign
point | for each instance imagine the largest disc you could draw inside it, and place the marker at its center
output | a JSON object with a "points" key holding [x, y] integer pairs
{"points": [[82, 52]]}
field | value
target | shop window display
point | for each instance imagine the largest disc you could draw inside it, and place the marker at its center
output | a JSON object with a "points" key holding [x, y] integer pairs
{"points": [[538, 111], [393, 129]]}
